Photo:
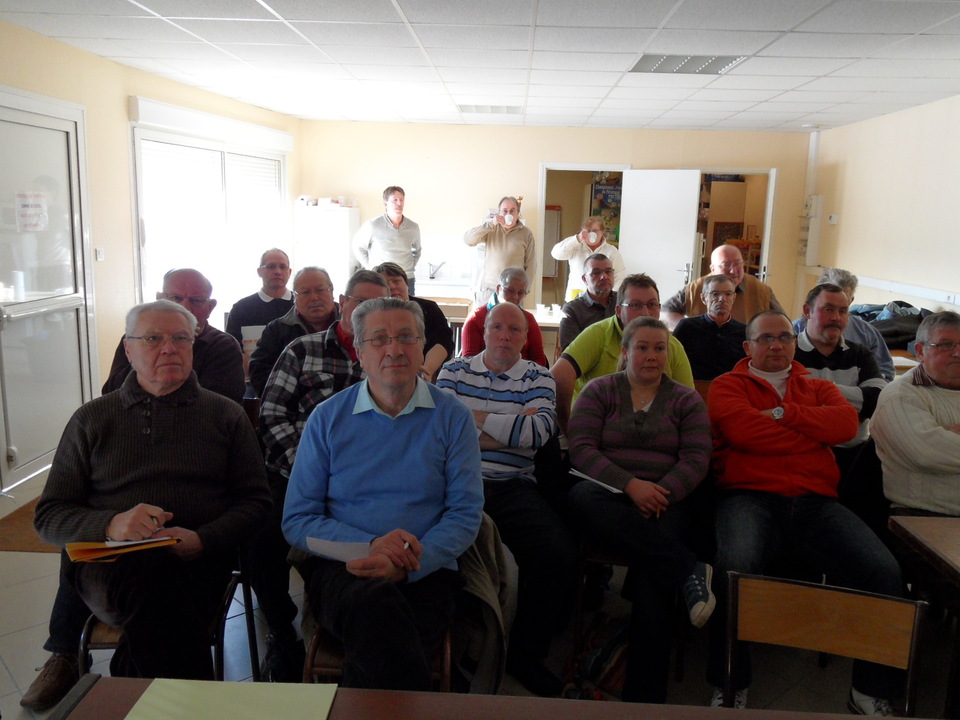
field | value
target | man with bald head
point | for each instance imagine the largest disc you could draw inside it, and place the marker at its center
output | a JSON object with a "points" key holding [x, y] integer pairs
{"points": [[514, 409], [217, 358], [753, 296]]}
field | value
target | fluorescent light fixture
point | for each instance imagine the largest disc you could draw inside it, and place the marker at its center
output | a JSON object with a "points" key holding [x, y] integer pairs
{"points": [[687, 64]]}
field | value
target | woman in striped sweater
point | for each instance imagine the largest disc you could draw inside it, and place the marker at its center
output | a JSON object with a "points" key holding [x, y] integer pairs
{"points": [[645, 442]]}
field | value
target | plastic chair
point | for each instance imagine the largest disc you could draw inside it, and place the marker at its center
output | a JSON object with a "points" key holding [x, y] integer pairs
{"points": [[840, 621]]}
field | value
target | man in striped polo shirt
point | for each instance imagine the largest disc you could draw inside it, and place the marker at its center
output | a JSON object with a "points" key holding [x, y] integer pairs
{"points": [[514, 410]]}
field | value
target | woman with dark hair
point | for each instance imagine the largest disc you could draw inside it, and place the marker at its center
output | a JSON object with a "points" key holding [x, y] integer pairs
{"points": [[645, 442]]}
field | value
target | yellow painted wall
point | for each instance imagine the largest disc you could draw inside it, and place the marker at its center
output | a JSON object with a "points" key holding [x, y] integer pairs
{"points": [[894, 183], [32, 62]]}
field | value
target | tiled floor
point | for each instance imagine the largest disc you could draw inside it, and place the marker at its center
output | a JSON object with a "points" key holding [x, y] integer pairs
{"points": [[784, 679]]}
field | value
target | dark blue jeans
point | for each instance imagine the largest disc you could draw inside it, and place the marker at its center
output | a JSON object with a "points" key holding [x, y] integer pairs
{"points": [[659, 563], [755, 527]]}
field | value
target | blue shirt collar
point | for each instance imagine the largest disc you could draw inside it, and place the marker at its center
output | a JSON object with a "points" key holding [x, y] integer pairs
{"points": [[421, 398]]}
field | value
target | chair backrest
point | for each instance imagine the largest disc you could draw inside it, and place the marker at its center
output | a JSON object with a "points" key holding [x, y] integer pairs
{"points": [[840, 621]]}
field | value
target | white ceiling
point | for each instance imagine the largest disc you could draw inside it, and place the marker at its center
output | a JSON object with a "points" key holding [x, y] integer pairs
{"points": [[810, 63]]}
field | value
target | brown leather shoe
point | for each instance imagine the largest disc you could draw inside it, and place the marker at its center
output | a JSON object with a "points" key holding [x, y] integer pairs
{"points": [[58, 674]]}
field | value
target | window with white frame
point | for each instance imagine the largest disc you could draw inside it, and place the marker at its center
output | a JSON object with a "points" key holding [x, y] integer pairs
{"points": [[207, 204]]}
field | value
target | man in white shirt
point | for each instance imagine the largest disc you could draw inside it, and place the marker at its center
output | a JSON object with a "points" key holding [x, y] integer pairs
{"points": [[591, 239]]}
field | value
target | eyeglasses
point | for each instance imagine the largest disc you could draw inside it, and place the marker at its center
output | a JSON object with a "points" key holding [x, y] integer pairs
{"points": [[784, 339], [156, 341], [730, 265], [178, 299], [275, 266], [946, 346], [357, 300], [313, 291], [652, 305], [384, 340], [720, 295]]}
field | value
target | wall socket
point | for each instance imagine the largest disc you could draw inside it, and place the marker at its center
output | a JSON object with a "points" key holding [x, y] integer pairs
{"points": [[99, 254]]}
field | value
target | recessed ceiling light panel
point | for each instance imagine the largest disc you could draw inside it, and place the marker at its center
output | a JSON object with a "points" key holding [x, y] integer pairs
{"points": [[687, 64]]}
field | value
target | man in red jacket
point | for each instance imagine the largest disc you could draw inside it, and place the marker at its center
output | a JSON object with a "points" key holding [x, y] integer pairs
{"points": [[773, 425]]}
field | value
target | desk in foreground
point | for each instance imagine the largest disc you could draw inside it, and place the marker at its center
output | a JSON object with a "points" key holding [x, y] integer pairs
{"points": [[111, 698]]}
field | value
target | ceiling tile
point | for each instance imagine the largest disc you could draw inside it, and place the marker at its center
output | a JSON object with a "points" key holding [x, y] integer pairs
{"points": [[473, 37], [400, 57], [375, 11], [583, 61], [758, 82], [558, 77], [67, 7], [489, 12], [356, 34], [743, 14], [610, 13], [613, 40], [510, 59], [568, 91], [709, 42], [901, 68], [880, 16], [238, 31], [103, 27], [935, 47], [275, 53], [389, 72], [789, 66], [829, 45], [237, 9]]}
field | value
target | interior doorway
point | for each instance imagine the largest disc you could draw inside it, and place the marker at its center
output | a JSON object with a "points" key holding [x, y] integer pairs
{"points": [[569, 187], [732, 209]]}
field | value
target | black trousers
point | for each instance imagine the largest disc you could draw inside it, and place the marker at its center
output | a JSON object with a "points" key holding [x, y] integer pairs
{"points": [[547, 555], [389, 630], [164, 605]]}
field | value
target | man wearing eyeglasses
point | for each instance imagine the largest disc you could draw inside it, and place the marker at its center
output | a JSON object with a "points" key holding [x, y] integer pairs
{"points": [[161, 457], [513, 286], [216, 361], [513, 405], [217, 358], [917, 423], [314, 310], [714, 340], [391, 463], [250, 315], [823, 350], [596, 351], [753, 296], [597, 303], [774, 425]]}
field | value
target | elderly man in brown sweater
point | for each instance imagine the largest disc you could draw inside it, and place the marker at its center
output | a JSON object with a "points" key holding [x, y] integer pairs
{"points": [[161, 457]]}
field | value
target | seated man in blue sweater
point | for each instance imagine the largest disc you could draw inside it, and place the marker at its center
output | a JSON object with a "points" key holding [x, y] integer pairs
{"points": [[392, 463]]}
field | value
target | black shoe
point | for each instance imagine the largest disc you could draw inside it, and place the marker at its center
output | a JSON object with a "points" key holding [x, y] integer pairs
{"points": [[536, 678], [283, 661]]}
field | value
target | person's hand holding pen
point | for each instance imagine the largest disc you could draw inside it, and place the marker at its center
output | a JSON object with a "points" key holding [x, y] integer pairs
{"points": [[401, 547], [650, 498]]}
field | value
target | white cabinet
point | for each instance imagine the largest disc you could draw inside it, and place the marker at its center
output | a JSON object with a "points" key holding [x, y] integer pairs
{"points": [[322, 237]]}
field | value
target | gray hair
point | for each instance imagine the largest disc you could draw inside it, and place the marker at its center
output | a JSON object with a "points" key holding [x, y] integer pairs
{"points": [[365, 276], [359, 317], [946, 318], [843, 278], [133, 316], [513, 273], [592, 257], [715, 279], [312, 268]]}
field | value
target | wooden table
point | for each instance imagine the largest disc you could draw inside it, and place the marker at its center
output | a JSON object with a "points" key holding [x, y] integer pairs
{"points": [[97, 698], [937, 541]]}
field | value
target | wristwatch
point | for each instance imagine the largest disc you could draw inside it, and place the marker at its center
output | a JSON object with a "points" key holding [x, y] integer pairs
{"points": [[778, 413]]}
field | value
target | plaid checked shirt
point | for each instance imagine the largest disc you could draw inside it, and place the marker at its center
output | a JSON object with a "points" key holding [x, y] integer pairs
{"points": [[311, 369]]}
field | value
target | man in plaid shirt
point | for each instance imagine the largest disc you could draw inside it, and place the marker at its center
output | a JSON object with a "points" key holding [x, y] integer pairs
{"points": [[311, 369]]}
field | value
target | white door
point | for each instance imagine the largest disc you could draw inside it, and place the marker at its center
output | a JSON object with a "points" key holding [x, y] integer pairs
{"points": [[658, 226], [46, 358]]}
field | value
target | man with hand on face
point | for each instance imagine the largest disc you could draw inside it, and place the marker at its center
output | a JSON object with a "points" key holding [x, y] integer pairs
{"points": [[508, 244], [217, 358], [597, 303], [161, 457], [314, 310], [391, 237], [514, 411], [393, 463], [713, 341], [577, 249]]}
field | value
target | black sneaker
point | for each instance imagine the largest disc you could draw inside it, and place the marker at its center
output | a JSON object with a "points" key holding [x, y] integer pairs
{"points": [[698, 596], [283, 661]]}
